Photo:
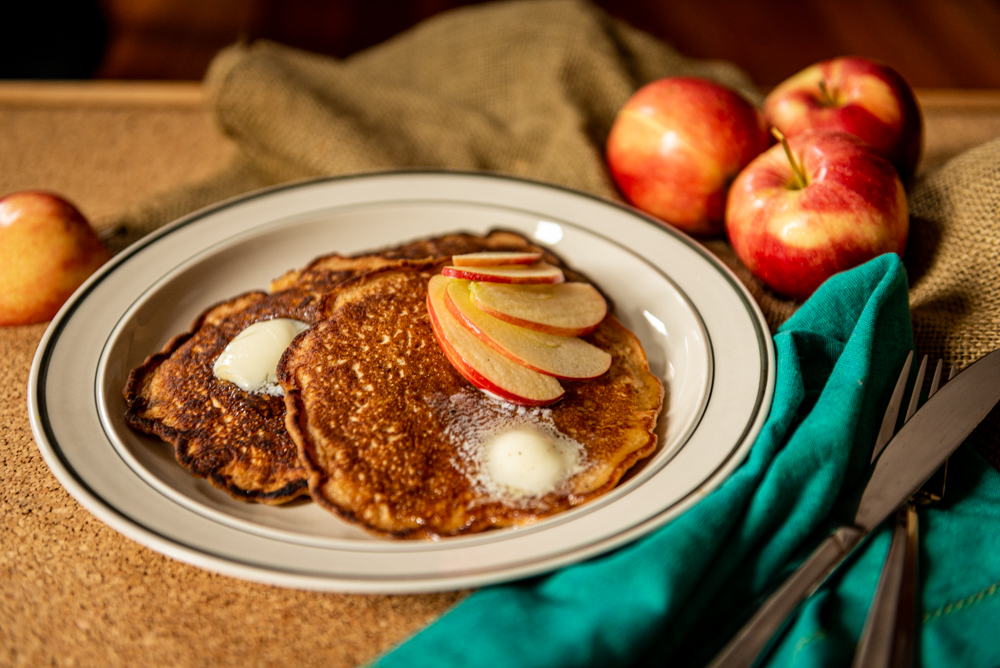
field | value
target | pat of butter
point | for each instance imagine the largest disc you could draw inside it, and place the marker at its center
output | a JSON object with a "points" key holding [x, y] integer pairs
{"points": [[250, 360], [526, 462]]}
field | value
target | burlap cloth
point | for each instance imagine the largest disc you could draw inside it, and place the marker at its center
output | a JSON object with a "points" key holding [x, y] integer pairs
{"points": [[523, 88]]}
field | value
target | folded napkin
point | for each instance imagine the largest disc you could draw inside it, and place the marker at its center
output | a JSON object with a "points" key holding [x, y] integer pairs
{"points": [[676, 596]]}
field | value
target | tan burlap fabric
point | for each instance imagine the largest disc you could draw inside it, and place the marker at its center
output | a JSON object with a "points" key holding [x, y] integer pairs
{"points": [[525, 88], [953, 259], [531, 89]]}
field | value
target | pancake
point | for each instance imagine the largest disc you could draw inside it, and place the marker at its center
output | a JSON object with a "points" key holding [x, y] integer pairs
{"points": [[237, 439], [392, 436], [233, 438]]}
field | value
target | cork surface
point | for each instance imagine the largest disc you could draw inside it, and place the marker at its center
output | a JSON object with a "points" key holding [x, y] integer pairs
{"points": [[73, 592]]}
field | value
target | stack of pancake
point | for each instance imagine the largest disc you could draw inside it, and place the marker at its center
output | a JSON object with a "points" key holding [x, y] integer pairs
{"points": [[375, 424]]}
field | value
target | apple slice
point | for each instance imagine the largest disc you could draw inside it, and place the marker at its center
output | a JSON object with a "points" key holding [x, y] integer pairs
{"points": [[481, 365], [540, 272], [496, 258], [564, 309], [559, 356]]}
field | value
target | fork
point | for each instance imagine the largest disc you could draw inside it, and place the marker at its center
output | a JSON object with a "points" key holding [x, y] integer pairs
{"points": [[887, 638]]}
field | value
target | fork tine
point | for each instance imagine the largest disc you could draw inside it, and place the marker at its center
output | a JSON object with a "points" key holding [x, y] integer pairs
{"points": [[892, 412], [917, 386], [940, 479], [933, 490], [936, 381]]}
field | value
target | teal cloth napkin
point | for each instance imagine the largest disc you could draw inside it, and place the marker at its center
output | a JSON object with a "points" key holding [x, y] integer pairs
{"points": [[677, 595]]}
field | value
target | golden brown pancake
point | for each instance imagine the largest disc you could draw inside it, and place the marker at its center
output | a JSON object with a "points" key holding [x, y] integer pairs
{"points": [[391, 434], [233, 438]]}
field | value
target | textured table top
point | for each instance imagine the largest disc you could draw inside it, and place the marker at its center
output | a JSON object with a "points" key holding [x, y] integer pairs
{"points": [[72, 590]]}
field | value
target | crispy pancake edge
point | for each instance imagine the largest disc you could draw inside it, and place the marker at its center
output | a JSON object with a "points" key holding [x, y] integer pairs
{"points": [[136, 403], [640, 364]]}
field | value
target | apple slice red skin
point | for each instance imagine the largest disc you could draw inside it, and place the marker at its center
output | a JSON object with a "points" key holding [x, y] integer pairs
{"points": [[470, 373], [485, 274], [465, 321], [496, 259], [473, 376], [538, 326]]}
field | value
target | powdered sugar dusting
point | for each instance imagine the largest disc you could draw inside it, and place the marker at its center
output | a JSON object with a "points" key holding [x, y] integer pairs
{"points": [[474, 419]]}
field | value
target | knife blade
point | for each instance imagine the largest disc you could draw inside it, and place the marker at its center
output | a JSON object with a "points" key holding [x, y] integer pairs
{"points": [[929, 438], [909, 459]]}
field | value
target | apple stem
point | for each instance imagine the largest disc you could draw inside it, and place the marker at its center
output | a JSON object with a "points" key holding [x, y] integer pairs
{"points": [[800, 175], [827, 98]]}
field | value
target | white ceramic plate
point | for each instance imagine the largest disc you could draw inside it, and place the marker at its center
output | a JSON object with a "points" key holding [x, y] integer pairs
{"points": [[702, 332]]}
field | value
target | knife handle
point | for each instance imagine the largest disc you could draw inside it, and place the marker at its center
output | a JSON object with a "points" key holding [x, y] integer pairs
{"points": [[906, 613], [743, 650], [876, 648]]}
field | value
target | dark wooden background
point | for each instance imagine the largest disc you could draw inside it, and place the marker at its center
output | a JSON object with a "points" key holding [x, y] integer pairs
{"points": [[933, 43]]}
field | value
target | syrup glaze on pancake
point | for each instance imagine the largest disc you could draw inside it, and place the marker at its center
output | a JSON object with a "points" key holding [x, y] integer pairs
{"points": [[392, 435], [236, 439]]}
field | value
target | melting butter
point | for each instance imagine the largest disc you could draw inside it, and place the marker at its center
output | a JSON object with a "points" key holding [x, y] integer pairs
{"points": [[526, 462], [250, 360]]}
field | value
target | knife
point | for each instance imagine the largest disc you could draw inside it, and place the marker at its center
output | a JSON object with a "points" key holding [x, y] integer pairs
{"points": [[910, 458]]}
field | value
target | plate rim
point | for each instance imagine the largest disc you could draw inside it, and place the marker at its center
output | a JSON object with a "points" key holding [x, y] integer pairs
{"points": [[133, 528]]}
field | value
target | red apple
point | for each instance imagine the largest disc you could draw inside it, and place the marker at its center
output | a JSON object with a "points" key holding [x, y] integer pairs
{"points": [[47, 249], [496, 258], [677, 144], [822, 203], [856, 95], [480, 364], [560, 356], [563, 309], [540, 272]]}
